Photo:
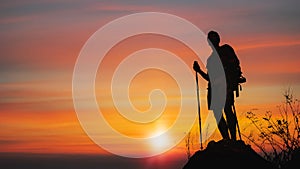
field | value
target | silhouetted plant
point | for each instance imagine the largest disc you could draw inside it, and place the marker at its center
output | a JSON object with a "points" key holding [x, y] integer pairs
{"points": [[188, 144], [278, 137], [192, 140]]}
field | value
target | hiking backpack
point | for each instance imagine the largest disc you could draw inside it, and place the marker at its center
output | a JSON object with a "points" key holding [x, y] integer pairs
{"points": [[232, 68]]}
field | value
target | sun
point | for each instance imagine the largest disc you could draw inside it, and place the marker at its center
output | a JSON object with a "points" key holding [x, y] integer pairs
{"points": [[160, 140]]}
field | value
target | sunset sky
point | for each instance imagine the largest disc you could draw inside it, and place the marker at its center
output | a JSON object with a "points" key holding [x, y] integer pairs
{"points": [[41, 40]]}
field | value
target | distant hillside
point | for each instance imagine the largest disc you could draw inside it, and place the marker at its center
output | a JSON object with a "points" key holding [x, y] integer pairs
{"points": [[227, 154]]}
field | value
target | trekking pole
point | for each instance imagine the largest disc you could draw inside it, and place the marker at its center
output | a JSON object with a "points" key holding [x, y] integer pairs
{"points": [[199, 111], [237, 124]]}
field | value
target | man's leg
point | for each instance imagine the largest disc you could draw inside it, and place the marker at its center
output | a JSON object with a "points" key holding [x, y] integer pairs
{"points": [[230, 116], [222, 126]]}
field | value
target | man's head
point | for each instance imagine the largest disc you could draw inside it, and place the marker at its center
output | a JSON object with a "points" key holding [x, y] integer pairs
{"points": [[213, 38]]}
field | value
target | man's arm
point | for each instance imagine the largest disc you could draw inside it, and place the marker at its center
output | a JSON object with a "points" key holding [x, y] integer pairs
{"points": [[196, 67]]}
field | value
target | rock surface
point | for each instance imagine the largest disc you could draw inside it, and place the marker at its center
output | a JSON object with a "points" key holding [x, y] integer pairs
{"points": [[227, 154]]}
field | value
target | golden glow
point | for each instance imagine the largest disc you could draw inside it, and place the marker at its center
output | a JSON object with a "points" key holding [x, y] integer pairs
{"points": [[36, 106]]}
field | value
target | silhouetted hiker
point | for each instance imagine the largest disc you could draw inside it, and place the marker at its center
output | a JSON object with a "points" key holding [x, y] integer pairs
{"points": [[233, 72]]}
